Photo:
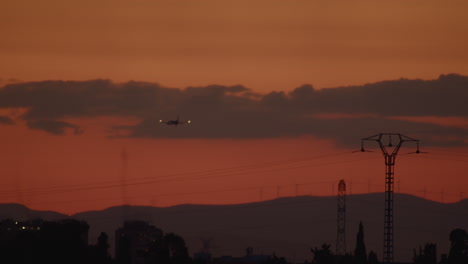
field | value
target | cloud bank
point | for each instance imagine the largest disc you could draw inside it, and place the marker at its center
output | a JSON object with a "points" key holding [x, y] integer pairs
{"points": [[342, 114]]}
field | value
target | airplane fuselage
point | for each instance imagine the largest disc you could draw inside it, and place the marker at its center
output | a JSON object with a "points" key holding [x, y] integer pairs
{"points": [[172, 122]]}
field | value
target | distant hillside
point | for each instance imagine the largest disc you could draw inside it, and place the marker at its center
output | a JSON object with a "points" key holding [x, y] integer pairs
{"points": [[290, 226], [21, 213]]}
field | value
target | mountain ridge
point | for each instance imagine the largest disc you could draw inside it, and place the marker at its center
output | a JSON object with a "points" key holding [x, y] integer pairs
{"points": [[288, 226]]}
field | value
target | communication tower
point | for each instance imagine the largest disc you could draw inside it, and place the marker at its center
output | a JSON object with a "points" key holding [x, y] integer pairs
{"points": [[341, 219]]}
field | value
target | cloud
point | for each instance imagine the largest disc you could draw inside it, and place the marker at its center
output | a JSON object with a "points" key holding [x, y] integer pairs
{"points": [[6, 120], [53, 126], [237, 112]]}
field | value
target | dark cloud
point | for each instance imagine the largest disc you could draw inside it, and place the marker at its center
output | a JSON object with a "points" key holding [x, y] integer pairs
{"points": [[6, 120], [346, 131], [445, 96], [53, 126], [238, 112]]}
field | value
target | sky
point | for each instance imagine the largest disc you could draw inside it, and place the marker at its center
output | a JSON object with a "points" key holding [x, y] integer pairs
{"points": [[280, 94]]}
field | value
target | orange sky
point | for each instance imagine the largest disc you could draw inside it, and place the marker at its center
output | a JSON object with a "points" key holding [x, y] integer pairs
{"points": [[264, 45], [72, 173]]}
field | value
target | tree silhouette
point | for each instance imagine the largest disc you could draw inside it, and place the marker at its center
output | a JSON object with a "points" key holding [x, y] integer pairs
{"points": [[459, 247], [360, 255], [443, 259], [276, 260], [123, 254], [170, 249], [99, 253], [372, 258], [322, 255], [178, 252], [426, 256]]}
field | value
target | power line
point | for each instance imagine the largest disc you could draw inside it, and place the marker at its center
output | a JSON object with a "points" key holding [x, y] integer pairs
{"points": [[223, 172], [217, 173]]}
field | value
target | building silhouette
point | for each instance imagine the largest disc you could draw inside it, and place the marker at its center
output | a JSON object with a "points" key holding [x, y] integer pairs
{"points": [[64, 241]]}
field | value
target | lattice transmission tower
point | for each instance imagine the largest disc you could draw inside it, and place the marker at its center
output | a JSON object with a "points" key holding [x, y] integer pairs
{"points": [[390, 144], [341, 220]]}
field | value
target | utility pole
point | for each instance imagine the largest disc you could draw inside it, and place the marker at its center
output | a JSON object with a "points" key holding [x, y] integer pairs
{"points": [[390, 144], [123, 183], [341, 220]]}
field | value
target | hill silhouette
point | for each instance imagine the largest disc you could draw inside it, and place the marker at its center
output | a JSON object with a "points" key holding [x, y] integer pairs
{"points": [[290, 226], [22, 213]]}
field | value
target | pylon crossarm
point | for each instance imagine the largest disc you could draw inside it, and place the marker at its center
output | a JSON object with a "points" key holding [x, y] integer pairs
{"points": [[406, 138], [373, 138]]}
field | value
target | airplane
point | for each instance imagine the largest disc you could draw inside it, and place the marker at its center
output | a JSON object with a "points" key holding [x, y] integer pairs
{"points": [[174, 122]]}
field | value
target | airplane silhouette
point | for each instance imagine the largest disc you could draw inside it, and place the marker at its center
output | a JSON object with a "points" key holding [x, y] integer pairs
{"points": [[174, 122]]}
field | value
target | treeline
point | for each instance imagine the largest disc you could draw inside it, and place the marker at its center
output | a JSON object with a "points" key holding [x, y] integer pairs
{"points": [[137, 242], [458, 253]]}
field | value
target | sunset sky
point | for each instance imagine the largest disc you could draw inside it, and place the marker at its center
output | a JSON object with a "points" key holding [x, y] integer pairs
{"points": [[280, 94]]}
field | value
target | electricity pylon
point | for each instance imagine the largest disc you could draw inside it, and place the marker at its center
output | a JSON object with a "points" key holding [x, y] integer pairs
{"points": [[390, 144], [341, 220]]}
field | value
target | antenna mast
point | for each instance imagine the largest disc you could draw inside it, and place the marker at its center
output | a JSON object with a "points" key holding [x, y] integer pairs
{"points": [[341, 220]]}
